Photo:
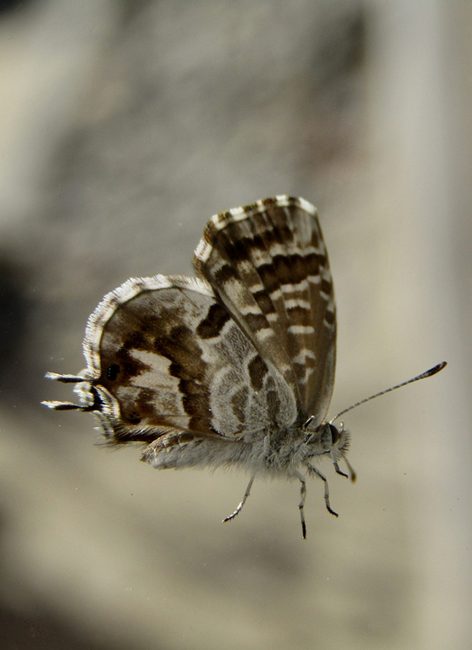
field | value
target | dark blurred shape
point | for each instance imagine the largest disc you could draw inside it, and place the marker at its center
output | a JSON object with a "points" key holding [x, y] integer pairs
{"points": [[43, 630], [341, 50], [14, 308], [337, 64], [8, 7], [130, 9]]}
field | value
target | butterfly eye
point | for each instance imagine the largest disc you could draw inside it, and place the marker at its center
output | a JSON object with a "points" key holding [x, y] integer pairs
{"points": [[112, 371], [335, 435]]}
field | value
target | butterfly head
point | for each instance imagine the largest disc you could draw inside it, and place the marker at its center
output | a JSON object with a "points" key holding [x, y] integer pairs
{"points": [[327, 438]]}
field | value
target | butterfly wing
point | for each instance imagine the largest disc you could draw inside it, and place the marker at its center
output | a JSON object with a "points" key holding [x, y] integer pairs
{"points": [[166, 360], [188, 365], [268, 264]]}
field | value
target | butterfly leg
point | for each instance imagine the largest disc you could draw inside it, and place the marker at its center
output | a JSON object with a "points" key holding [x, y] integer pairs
{"points": [[339, 470], [301, 504], [244, 499], [316, 472]]}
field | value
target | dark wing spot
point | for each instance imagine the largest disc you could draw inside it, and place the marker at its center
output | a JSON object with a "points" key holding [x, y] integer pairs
{"points": [[264, 301], [256, 322], [239, 403], [112, 371], [326, 287], [224, 274], [122, 362], [330, 317], [299, 315], [214, 322], [257, 371]]}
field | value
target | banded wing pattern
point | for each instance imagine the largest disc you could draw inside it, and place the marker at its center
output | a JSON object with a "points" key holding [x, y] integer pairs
{"points": [[268, 264], [170, 366]]}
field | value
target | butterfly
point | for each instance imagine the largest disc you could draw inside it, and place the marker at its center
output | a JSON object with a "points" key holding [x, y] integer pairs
{"points": [[233, 367]]}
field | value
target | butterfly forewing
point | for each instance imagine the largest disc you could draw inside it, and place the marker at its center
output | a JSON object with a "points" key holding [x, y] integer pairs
{"points": [[268, 264]]}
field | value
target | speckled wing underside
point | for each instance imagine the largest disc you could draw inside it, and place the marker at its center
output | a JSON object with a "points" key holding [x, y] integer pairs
{"points": [[171, 356]]}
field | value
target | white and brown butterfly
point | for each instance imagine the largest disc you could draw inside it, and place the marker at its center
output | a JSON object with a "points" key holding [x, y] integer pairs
{"points": [[234, 367]]}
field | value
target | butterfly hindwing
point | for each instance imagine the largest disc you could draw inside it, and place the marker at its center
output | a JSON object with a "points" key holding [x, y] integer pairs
{"points": [[169, 359]]}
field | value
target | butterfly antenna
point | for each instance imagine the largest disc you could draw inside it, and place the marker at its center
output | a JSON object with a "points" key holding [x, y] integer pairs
{"points": [[427, 373]]}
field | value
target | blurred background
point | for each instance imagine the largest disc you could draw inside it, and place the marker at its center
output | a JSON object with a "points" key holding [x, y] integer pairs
{"points": [[124, 125]]}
